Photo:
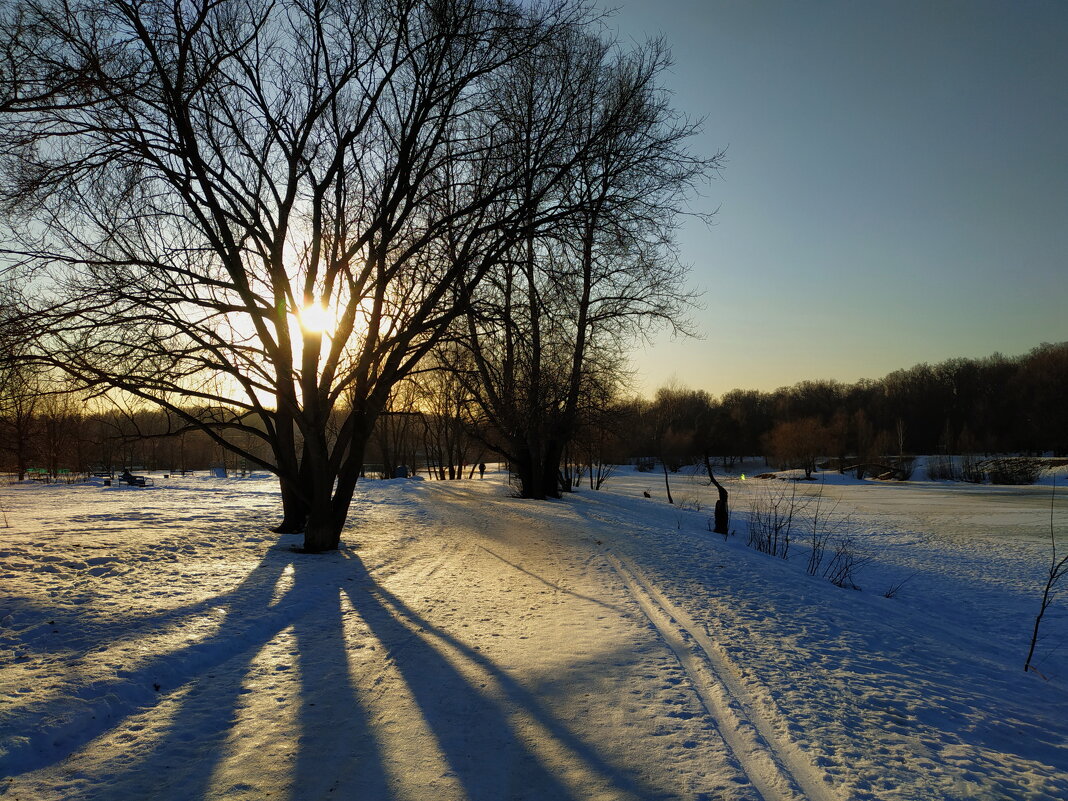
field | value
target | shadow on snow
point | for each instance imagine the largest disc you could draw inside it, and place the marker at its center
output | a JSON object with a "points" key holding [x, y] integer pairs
{"points": [[333, 744]]}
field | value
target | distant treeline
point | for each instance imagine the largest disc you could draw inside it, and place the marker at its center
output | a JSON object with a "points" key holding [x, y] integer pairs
{"points": [[996, 404], [961, 406]]}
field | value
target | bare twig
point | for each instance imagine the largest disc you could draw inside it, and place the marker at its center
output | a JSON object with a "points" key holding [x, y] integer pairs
{"points": [[1057, 570]]}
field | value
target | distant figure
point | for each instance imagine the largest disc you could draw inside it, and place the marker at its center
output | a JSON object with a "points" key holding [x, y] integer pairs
{"points": [[127, 476], [481, 469]]}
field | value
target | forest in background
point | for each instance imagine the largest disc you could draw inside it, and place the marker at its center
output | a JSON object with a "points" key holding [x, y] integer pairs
{"points": [[994, 405]]}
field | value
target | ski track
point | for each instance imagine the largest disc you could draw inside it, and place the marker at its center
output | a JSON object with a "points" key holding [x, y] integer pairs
{"points": [[773, 765]]}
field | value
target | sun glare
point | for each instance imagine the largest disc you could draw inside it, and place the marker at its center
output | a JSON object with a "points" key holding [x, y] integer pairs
{"points": [[316, 318]]}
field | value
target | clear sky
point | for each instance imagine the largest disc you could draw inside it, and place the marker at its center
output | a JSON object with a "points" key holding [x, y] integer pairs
{"points": [[896, 186]]}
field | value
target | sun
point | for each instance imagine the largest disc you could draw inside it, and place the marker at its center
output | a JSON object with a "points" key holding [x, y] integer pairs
{"points": [[315, 318]]}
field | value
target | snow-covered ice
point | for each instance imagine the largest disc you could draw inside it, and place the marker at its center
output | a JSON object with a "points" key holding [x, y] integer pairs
{"points": [[160, 643]]}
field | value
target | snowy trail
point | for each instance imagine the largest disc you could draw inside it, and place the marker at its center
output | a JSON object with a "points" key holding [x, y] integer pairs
{"points": [[512, 550], [769, 760], [777, 771]]}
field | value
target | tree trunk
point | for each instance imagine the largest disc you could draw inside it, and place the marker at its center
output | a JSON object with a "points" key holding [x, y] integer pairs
{"points": [[294, 507], [330, 503], [531, 479], [721, 517], [323, 532], [552, 456], [667, 484]]}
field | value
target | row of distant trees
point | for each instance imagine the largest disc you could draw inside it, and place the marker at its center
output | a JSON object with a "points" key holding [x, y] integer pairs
{"points": [[59, 435], [997, 404], [56, 430], [435, 422]]}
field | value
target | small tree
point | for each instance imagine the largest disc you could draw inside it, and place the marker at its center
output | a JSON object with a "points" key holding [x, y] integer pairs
{"points": [[601, 438], [1058, 567], [797, 444], [673, 416], [721, 516]]}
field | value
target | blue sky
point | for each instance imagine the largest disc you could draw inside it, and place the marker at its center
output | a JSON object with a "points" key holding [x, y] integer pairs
{"points": [[896, 186]]}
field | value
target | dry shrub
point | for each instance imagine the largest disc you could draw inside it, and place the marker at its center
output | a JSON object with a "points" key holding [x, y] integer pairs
{"points": [[1014, 469], [772, 513]]}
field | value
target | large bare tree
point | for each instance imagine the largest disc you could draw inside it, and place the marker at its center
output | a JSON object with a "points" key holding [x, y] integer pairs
{"points": [[261, 214], [551, 326]]}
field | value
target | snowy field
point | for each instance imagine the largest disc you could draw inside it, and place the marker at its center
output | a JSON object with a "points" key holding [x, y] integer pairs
{"points": [[160, 643]]}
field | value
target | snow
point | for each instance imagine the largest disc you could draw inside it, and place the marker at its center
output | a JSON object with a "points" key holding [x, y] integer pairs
{"points": [[160, 643]]}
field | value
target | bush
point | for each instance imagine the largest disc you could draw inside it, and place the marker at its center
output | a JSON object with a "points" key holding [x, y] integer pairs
{"points": [[1014, 470], [690, 502], [905, 466], [843, 566], [971, 469], [771, 518]]}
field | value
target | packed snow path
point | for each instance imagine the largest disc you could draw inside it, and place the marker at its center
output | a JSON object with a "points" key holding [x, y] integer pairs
{"points": [[773, 767], [159, 644]]}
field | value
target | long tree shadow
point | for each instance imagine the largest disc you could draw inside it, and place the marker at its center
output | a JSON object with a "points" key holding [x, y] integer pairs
{"points": [[336, 746], [180, 713], [250, 620], [189, 754], [472, 729], [551, 585], [94, 628], [131, 625]]}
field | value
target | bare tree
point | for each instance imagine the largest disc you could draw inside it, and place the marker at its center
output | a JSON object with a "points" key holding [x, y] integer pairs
{"points": [[397, 430], [721, 515], [20, 399], [550, 327], [798, 444], [1058, 567], [59, 417], [445, 400], [601, 440], [673, 426], [19, 385], [256, 214]]}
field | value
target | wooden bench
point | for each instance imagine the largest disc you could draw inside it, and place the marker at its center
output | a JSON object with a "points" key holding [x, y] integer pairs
{"points": [[136, 481]]}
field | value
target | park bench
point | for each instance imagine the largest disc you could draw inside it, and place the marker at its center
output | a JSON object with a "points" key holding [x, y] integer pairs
{"points": [[135, 481]]}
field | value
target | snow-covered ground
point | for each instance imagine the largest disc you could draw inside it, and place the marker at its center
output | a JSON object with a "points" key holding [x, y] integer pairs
{"points": [[160, 643]]}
